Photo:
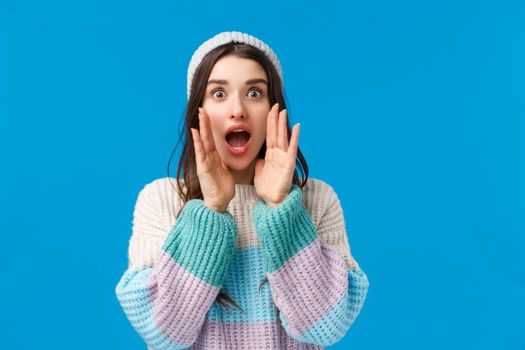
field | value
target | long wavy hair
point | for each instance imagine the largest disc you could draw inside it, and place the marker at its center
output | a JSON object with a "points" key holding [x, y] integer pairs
{"points": [[187, 168]]}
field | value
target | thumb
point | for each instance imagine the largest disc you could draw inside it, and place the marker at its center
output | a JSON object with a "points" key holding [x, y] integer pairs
{"points": [[259, 165], [224, 166]]}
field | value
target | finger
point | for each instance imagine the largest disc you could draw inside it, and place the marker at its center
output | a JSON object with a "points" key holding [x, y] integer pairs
{"points": [[269, 127], [294, 141], [275, 127], [199, 155], [209, 129], [282, 136], [274, 130], [205, 131]]}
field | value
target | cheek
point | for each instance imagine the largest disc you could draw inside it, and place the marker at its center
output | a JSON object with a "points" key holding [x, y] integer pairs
{"points": [[217, 135], [216, 127], [260, 128]]}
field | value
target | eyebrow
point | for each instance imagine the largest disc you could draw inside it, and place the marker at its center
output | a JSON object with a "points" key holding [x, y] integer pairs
{"points": [[248, 82]]}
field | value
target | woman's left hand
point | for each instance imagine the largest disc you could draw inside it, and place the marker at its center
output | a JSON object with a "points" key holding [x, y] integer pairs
{"points": [[274, 174]]}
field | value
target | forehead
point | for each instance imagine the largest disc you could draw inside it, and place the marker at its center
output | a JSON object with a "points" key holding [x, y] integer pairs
{"points": [[237, 69]]}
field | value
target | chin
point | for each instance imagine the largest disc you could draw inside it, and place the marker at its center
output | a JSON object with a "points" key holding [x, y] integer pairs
{"points": [[238, 163]]}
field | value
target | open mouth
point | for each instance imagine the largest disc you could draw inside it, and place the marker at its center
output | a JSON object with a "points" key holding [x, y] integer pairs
{"points": [[238, 138]]}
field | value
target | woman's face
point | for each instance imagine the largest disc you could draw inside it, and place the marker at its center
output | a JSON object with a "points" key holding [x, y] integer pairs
{"points": [[237, 93]]}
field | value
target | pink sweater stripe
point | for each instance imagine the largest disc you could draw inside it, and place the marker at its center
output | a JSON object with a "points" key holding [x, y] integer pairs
{"points": [[309, 284], [253, 335], [179, 299]]}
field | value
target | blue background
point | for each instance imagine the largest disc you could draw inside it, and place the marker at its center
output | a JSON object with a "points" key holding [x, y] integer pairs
{"points": [[413, 111]]}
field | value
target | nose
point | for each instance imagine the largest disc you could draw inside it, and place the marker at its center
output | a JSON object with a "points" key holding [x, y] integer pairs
{"points": [[237, 108]]}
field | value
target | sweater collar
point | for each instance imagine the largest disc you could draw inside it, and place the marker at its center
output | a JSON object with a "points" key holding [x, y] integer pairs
{"points": [[244, 194]]}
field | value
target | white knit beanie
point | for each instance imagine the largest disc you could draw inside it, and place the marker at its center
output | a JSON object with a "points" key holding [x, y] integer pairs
{"points": [[223, 38]]}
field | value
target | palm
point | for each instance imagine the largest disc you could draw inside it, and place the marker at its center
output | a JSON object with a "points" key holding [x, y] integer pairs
{"points": [[213, 168], [274, 175], [216, 181]]}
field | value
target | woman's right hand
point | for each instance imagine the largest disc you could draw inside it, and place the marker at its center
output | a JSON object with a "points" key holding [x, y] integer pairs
{"points": [[216, 181]]}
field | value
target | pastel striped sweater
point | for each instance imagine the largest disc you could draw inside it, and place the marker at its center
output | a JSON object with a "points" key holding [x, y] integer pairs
{"points": [[177, 266]]}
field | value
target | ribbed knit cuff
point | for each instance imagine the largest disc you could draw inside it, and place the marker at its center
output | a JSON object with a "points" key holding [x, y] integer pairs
{"points": [[203, 241], [283, 230]]}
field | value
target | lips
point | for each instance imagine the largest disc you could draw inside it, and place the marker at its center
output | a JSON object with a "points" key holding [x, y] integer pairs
{"points": [[238, 127], [238, 139], [237, 135]]}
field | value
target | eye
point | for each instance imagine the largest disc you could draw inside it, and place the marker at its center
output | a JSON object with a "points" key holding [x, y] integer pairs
{"points": [[213, 93], [258, 93]]}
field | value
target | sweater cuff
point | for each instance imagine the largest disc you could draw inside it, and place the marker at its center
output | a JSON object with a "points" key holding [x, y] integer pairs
{"points": [[283, 230], [203, 241]]}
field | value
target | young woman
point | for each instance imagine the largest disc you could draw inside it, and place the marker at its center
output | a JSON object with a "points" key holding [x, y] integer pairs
{"points": [[239, 216]]}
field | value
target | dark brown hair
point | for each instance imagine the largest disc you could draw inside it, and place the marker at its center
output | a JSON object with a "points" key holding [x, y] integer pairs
{"points": [[187, 167]]}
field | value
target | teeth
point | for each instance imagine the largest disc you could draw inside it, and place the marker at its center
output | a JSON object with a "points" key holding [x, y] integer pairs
{"points": [[239, 130]]}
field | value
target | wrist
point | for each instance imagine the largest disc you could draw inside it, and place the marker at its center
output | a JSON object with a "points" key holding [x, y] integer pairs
{"points": [[217, 208], [272, 204]]}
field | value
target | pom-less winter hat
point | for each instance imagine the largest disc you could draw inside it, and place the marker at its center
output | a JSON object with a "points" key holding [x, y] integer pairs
{"points": [[223, 38]]}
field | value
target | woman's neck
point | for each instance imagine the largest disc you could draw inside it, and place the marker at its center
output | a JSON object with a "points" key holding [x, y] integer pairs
{"points": [[244, 176]]}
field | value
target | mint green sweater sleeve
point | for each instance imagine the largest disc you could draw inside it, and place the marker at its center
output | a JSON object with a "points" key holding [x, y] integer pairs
{"points": [[203, 242], [167, 303], [317, 293]]}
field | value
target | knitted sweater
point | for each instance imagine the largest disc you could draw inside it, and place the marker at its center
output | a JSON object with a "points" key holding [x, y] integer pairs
{"points": [[177, 266]]}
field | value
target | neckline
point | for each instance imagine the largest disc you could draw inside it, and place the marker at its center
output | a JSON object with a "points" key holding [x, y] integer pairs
{"points": [[244, 193]]}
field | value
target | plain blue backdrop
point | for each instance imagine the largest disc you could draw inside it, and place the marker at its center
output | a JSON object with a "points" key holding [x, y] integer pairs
{"points": [[413, 111]]}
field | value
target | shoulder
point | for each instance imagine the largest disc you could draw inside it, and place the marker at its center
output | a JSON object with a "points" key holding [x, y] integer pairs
{"points": [[319, 191], [326, 211], [316, 185], [155, 207], [161, 188], [318, 197], [160, 184], [161, 196]]}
